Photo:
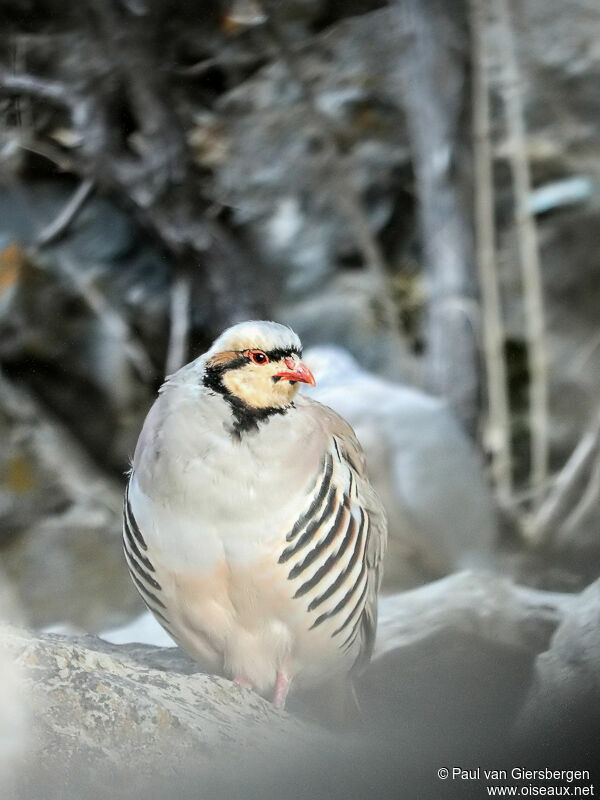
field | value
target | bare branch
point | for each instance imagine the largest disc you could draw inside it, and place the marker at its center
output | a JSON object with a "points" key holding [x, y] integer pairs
{"points": [[23, 83], [55, 229], [497, 433], [47, 151], [528, 250], [430, 40], [583, 356], [556, 503], [589, 498], [181, 291], [156, 180]]}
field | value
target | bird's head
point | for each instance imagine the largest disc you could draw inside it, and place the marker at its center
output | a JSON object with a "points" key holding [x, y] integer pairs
{"points": [[257, 364]]}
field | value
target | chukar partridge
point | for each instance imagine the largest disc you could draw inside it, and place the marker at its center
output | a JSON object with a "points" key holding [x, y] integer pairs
{"points": [[250, 528]]}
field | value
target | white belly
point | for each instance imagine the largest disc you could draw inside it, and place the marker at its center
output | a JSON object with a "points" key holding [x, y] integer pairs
{"points": [[228, 601]]}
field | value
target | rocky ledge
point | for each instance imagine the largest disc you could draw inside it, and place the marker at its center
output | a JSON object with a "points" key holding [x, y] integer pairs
{"points": [[458, 663]]}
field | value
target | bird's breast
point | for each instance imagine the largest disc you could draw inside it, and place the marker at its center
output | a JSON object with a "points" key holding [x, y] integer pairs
{"points": [[216, 497]]}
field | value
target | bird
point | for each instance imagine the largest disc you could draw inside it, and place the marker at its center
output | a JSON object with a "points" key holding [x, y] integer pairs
{"points": [[250, 528]]}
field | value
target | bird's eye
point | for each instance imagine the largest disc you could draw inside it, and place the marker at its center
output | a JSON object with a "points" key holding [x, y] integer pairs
{"points": [[257, 356]]}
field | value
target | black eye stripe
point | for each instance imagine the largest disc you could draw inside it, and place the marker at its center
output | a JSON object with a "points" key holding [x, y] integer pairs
{"points": [[283, 352], [213, 377]]}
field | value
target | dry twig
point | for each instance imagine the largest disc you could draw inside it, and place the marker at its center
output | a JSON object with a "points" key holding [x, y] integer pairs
{"points": [[181, 290], [430, 40], [528, 251], [497, 434], [155, 178], [589, 498], [55, 229], [583, 356], [24, 83], [555, 506]]}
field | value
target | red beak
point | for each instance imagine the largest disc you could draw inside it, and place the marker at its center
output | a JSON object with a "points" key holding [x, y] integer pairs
{"points": [[297, 372]]}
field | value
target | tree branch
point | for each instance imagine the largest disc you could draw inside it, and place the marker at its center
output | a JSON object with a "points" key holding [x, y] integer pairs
{"points": [[53, 91], [589, 498], [55, 229], [497, 428], [151, 171], [180, 311], [528, 251], [540, 525], [431, 43]]}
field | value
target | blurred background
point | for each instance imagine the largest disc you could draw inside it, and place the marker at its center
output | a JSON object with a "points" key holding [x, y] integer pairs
{"points": [[413, 186]]}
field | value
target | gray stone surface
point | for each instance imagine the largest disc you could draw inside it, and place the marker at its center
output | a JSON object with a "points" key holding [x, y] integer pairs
{"points": [[452, 667], [14, 721], [346, 313], [103, 713], [561, 709], [60, 521]]}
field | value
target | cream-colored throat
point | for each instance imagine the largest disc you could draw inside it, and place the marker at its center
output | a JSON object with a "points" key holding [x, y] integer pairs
{"points": [[255, 386]]}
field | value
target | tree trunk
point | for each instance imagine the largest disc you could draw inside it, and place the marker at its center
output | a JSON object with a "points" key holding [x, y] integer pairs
{"points": [[433, 73]]}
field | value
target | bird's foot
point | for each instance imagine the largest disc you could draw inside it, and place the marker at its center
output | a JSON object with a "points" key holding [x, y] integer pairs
{"points": [[282, 687]]}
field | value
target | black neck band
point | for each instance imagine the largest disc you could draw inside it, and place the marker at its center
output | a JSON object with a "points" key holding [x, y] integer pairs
{"points": [[245, 418]]}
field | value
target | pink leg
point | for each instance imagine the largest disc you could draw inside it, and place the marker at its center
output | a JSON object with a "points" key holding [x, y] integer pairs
{"points": [[243, 682], [282, 687]]}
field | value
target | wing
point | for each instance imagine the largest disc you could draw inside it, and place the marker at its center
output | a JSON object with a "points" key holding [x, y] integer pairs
{"points": [[342, 535], [141, 567], [353, 454]]}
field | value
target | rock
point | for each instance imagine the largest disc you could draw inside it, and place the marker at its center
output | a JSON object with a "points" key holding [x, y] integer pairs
{"points": [[448, 657], [440, 510], [475, 604], [561, 710], [138, 718], [14, 727], [69, 569], [345, 313], [29, 485], [452, 664], [61, 522]]}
